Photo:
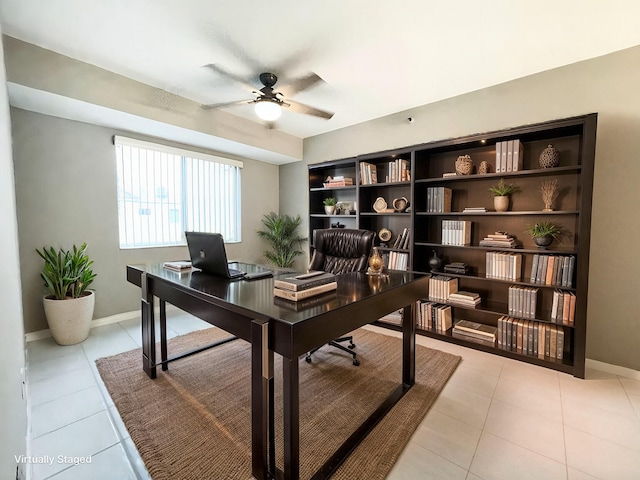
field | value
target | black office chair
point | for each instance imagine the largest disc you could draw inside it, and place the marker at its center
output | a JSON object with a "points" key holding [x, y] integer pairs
{"points": [[341, 250]]}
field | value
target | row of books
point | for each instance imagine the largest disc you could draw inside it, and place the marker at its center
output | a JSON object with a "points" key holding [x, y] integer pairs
{"points": [[441, 287], [563, 307], [368, 173], [509, 156], [522, 301], [531, 338], [338, 181], [499, 240], [304, 286], [553, 270], [433, 316], [475, 332], [397, 260], [456, 232], [402, 241], [504, 266], [398, 170], [439, 199]]}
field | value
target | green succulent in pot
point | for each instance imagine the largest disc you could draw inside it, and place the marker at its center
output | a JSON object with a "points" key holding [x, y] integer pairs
{"points": [[69, 306], [543, 233], [66, 273], [329, 202]]}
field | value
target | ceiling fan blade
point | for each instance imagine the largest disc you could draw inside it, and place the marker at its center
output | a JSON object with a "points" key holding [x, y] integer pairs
{"points": [[233, 76], [302, 84], [226, 104], [307, 110]]}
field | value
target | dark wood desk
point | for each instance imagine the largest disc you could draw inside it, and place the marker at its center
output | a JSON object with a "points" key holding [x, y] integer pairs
{"points": [[248, 310]]}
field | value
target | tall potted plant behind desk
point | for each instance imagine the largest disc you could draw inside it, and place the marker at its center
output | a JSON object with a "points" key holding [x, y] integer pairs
{"points": [[281, 234], [69, 305]]}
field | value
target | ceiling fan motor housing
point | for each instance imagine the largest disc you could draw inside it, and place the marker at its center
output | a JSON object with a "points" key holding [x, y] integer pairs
{"points": [[268, 79]]}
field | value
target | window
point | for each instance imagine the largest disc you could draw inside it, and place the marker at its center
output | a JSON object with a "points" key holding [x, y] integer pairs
{"points": [[165, 191]]}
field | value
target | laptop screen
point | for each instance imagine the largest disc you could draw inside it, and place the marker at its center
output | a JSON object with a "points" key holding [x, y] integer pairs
{"points": [[207, 253]]}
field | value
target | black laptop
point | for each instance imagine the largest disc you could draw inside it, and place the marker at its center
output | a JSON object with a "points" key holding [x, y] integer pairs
{"points": [[207, 253]]}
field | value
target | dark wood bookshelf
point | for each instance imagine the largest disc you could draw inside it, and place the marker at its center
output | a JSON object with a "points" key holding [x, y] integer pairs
{"points": [[573, 137]]}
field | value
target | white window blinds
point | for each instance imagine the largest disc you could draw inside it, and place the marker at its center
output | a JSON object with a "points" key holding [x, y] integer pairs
{"points": [[165, 191]]}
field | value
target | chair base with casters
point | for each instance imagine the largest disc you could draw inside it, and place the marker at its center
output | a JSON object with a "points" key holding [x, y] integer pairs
{"points": [[334, 343]]}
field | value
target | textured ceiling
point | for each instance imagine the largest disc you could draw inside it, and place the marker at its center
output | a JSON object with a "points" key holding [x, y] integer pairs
{"points": [[376, 58]]}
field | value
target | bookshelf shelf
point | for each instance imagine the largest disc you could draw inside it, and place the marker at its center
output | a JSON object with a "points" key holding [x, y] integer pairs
{"points": [[425, 165]]}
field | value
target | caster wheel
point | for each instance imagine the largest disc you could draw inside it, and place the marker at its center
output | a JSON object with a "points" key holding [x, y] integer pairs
{"points": [[356, 362], [308, 359]]}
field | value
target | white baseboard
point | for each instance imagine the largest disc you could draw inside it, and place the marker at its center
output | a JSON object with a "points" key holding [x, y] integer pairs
{"points": [[613, 369], [97, 322]]}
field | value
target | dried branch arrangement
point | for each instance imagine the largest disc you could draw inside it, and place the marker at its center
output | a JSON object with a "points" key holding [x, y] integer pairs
{"points": [[549, 190]]}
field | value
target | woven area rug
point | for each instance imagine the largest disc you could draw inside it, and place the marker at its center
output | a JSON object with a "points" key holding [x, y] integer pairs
{"points": [[194, 420]]}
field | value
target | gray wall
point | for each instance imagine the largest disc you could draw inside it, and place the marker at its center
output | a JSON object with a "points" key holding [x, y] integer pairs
{"points": [[66, 194], [607, 85], [13, 439]]}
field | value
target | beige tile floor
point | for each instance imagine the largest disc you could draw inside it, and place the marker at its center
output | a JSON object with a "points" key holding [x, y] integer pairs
{"points": [[496, 418]]}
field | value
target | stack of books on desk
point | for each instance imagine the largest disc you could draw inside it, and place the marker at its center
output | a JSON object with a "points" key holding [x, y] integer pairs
{"points": [[178, 266], [305, 285]]}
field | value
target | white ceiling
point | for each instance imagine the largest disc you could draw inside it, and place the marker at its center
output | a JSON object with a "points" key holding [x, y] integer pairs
{"points": [[376, 57]]}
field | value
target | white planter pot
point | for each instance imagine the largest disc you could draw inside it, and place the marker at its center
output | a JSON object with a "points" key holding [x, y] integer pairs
{"points": [[329, 209], [70, 319], [501, 204]]}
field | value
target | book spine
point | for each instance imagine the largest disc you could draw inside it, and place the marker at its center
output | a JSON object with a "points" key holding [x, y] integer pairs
{"points": [[296, 287], [295, 296]]}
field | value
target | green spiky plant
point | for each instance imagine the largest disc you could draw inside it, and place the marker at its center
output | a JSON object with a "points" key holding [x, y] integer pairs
{"points": [[281, 234], [502, 189], [67, 274]]}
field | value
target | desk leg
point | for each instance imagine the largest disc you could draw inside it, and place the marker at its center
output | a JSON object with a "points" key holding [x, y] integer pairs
{"points": [[163, 334], [262, 398], [148, 329], [291, 407], [408, 346]]}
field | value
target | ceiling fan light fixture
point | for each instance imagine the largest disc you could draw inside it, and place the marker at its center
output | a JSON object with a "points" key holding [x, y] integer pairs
{"points": [[268, 110]]}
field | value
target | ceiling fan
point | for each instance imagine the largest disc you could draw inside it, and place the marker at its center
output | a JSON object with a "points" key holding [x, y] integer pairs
{"points": [[268, 104]]}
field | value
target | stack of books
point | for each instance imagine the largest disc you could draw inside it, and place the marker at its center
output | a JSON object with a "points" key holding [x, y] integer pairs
{"points": [[180, 266], [475, 332], [465, 299], [337, 181], [457, 267], [305, 285], [474, 210], [500, 240]]}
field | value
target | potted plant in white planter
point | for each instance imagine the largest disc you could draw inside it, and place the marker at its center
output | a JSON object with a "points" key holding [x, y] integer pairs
{"points": [[330, 205], [69, 304], [501, 193]]}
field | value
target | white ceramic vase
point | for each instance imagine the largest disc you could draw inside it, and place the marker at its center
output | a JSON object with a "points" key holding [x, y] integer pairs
{"points": [[329, 209], [70, 319]]}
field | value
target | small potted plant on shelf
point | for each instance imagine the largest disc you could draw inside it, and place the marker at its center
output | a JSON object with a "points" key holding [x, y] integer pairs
{"points": [[543, 233], [330, 205], [69, 304], [501, 193]]}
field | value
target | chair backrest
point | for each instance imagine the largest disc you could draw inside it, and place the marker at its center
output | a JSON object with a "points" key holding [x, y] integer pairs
{"points": [[341, 250]]}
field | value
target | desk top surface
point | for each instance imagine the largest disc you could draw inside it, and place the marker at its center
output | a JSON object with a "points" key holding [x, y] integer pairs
{"points": [[257, 295]]}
